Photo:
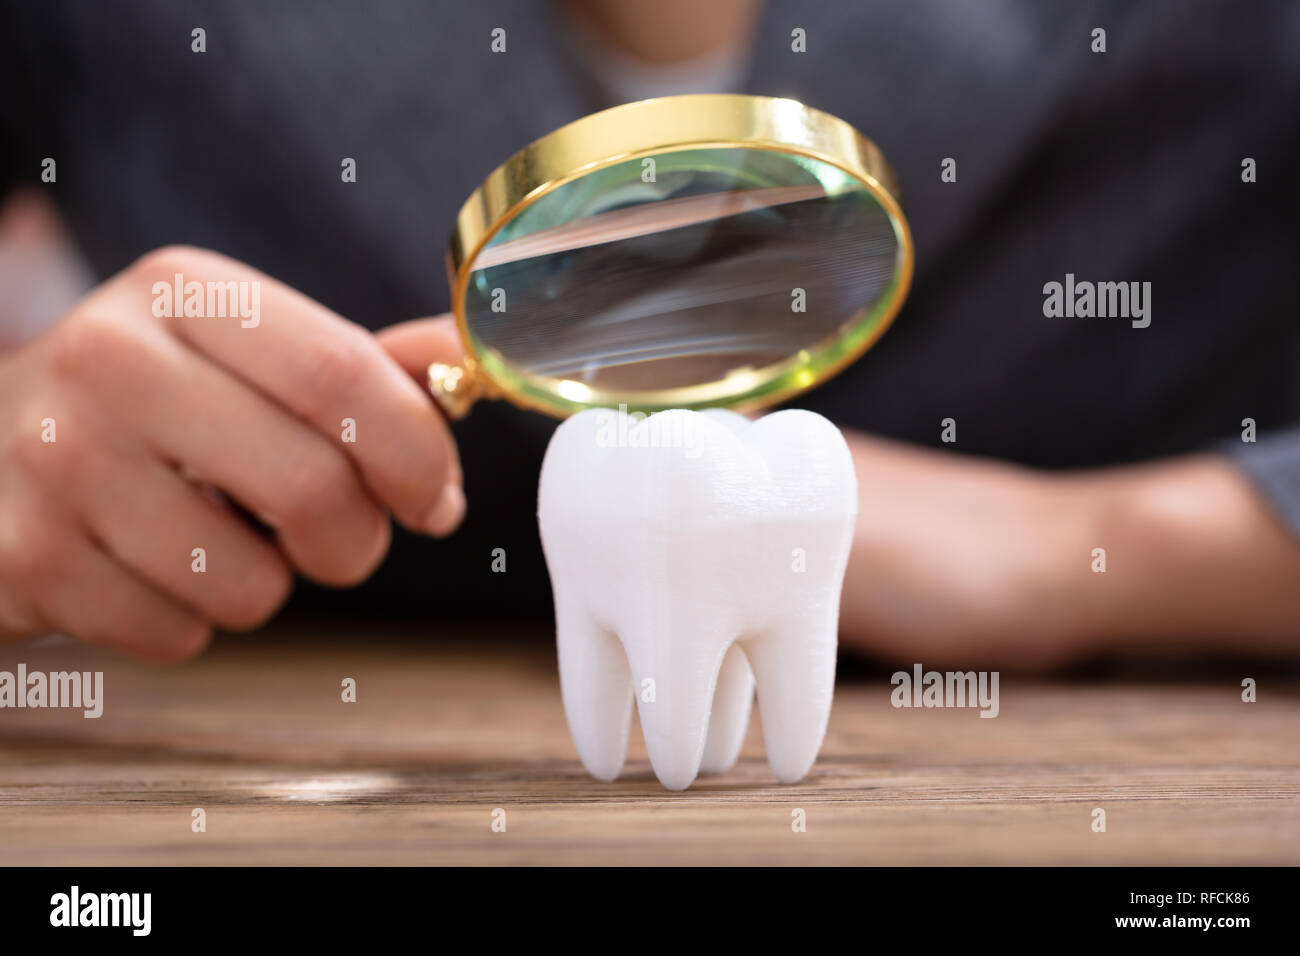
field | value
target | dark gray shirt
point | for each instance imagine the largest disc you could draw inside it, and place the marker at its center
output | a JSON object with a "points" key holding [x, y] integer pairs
{"points": [[1116, 166]]}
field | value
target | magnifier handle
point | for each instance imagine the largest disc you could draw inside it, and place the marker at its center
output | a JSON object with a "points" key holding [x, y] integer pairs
{"points": [[457, 387]]}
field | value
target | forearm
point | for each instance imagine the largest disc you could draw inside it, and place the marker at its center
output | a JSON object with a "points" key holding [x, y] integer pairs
{"points": [[964, 559], [1195, 557]]}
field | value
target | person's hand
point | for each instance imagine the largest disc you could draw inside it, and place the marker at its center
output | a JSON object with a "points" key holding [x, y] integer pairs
{"points": [[135, 446], [417, 344], [976, 563]]}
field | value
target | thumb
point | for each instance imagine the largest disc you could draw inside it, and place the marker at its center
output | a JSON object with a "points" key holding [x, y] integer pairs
{"points": [[415, 345]]}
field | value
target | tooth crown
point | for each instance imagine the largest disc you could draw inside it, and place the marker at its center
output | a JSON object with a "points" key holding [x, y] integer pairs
{"points": [[691, 553]]}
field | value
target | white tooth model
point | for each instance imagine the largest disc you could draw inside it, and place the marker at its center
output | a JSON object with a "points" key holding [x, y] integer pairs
{"points": [[685, 549]]}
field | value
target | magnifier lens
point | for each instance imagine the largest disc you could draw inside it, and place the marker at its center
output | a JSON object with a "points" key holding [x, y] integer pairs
{"points": [[680, 269]]}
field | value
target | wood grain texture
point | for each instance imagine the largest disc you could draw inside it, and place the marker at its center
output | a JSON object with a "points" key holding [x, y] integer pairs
{"points": [[444, 731]]}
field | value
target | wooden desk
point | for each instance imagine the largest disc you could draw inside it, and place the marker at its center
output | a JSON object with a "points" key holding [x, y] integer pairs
{"points": [[442, 733]]}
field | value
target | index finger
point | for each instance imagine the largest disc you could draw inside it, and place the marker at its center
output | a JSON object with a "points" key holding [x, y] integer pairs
{"points": [[330, 372]]}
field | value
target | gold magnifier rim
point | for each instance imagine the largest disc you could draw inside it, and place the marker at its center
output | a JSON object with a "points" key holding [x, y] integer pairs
{"points": [[656, 127]]}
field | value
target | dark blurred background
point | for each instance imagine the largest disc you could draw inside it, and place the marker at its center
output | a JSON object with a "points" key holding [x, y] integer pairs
{"points": [[1122, 166]]}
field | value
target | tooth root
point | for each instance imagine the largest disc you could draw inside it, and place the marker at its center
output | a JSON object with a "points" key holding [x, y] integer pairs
{"points": [[597, 690], [683, 662], [794, 668], [732, 701]]}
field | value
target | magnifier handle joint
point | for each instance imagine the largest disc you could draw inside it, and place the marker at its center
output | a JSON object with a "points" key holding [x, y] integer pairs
{"points": [[456, 387]]}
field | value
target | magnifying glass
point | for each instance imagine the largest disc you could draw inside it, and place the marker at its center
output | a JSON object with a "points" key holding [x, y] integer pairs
{"points": [[684, 252]]}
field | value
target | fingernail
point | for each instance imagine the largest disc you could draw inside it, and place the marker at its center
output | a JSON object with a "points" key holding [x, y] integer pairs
{"points": [[448, 512]]}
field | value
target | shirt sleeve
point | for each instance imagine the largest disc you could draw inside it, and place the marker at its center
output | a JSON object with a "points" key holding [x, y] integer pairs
{"points": [[1273, 465]]}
